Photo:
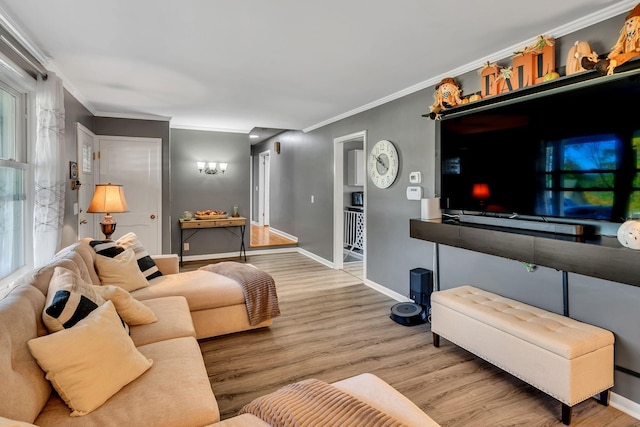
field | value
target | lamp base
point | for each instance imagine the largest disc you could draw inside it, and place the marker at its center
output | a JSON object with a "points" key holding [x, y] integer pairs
{"points": [[107, 229]]}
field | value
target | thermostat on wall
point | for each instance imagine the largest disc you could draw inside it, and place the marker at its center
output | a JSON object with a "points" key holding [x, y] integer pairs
{"points": [[414, 193], [415, 177]]}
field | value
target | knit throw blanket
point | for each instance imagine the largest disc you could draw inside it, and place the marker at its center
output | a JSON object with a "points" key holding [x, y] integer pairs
{"points": [[315, 403], [258, 288]]}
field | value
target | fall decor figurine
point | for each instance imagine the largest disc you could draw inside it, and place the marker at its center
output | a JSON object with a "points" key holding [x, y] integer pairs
{"points": [[447, 95], [627, 47]]}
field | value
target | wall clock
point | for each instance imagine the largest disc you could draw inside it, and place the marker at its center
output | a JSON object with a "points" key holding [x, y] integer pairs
{"points": [[383, 164]]}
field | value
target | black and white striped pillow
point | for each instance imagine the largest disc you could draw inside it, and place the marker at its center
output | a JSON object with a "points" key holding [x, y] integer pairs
{"points": [[130, 240], [66, 309]]}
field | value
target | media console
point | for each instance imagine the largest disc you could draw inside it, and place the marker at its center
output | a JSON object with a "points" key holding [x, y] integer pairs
{"points": [[595, 256]]}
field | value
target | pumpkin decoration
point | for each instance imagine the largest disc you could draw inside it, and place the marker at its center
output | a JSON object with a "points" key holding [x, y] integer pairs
{"points": [[447, 95], [626, 48], [579, 50], [629, 234]]}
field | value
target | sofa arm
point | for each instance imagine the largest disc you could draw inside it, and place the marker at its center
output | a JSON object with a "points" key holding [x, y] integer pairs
{"points": [[167, 264]]}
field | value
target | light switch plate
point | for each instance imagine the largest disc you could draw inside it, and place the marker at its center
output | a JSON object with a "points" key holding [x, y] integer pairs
{"points": [[415, 177]]}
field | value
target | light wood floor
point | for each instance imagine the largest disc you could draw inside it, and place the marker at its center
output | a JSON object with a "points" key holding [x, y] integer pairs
{"points": [[262, 236], [332, 327]]}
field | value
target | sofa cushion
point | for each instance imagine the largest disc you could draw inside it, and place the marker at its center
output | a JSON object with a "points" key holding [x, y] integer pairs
{"points": [[92, 361], [131, 310], [175, 392], [69, 300], [121, 270], [174, 321], [203, 289]]}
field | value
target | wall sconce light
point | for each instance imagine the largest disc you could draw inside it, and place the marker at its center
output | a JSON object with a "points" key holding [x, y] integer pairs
{"points": [[276, 146], [211, 168]]}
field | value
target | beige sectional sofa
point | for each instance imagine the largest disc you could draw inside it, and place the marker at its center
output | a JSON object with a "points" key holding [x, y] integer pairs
{"points": [[170, 387]]}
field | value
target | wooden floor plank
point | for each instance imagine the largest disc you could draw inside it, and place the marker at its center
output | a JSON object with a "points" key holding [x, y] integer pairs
{"points": [[332, 327]]}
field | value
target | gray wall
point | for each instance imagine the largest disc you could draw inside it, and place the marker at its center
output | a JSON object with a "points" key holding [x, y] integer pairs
{"points": [[193, 191]]}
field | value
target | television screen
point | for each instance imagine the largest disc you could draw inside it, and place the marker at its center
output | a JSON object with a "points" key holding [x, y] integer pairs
{"points": [[552, 156]]}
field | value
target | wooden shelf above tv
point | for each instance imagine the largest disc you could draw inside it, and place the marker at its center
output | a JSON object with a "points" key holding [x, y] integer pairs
{"points": [[562, 84], [599, 256]]}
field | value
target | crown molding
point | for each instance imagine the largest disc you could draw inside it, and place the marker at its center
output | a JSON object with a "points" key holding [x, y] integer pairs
{"points": [[210, 129], [135, 116]]}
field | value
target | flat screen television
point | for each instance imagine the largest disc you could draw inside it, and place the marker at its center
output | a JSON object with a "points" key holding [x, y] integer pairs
{"points": [[572, 154]]}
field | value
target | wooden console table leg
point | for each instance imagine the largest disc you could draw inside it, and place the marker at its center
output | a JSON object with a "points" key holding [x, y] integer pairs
{"points": [[566, 414], [436, 339]]}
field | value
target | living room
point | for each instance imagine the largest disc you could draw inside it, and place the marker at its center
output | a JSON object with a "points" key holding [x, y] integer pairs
{"points": [[304, 168]]}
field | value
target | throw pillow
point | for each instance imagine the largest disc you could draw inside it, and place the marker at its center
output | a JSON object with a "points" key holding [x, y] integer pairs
{"points": [[121, 270], [69, 300], [130, 309], [145, 262], [92, 361]]}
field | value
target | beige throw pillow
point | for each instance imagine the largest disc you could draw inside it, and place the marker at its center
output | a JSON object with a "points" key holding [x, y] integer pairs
{"points": [[122, 270], [90, 362], [130, 309]]}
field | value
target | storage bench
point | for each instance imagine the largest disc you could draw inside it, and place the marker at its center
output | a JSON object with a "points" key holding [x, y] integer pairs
{"points": [[567, 359]]}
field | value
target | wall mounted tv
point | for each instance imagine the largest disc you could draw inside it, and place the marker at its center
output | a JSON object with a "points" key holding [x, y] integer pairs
{"points": [[571, 154]]}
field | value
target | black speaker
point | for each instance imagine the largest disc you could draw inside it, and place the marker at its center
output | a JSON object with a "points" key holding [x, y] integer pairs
{"points": [[420, 286]]}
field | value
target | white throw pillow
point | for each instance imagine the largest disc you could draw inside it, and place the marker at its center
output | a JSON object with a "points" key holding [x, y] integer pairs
{"points": [[130, 309], [121, 270], [146, 264], [90, 362], [69, 300]]}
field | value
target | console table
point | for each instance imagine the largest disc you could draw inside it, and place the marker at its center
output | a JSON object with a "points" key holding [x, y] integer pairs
{"points": [[196, 225]]}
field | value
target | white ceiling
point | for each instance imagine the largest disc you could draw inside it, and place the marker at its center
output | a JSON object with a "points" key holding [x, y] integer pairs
{"points": [[289, 64]]}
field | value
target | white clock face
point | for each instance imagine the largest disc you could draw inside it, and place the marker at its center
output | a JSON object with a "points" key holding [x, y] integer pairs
{"points": [[383, 164]]}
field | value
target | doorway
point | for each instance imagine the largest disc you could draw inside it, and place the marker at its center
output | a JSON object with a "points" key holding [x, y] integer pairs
{"points": [[341, 201], [263, 188]]}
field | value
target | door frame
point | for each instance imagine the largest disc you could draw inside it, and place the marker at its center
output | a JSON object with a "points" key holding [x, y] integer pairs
{"points": [[264, 196], [87, 180], [338, 197]]}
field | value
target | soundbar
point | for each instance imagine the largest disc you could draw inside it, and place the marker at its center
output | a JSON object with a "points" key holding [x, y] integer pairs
{"points": [[548, 227]]}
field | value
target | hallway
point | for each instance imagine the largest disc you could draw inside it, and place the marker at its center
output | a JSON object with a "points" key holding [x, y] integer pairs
{"points": [[262, 236]]}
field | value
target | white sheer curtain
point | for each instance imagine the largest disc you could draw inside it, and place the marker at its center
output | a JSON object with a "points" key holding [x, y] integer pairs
{"points": [[49, 177]]}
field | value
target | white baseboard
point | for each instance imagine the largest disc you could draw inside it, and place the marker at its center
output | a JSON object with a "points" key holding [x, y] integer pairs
{"points": [[316, 258], [625, 405], [283, 234], [386, 291]]}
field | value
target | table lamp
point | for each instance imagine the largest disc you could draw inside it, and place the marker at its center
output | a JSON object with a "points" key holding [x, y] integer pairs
{"points": [[481, 192], [107, 199]]}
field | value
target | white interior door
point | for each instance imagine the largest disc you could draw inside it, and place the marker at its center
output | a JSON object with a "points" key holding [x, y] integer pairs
{"points": [[86, 147], [135, 163], [263, 188]]}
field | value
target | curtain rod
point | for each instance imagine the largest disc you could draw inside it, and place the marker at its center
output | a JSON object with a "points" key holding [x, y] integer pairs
{"points": [[21, 56]]}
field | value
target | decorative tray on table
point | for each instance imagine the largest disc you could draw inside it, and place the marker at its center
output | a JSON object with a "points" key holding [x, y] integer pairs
{"points": [[209, 214]]}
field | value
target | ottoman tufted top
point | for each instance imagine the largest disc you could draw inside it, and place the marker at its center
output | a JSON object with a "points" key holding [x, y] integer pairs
{"points": [[566, 337]]}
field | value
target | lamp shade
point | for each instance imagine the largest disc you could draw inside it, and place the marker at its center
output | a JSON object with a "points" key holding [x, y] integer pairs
{"points": [[480, 191], [108, 198]]}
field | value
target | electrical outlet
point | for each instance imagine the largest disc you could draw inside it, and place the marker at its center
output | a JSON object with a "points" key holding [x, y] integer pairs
{"points": [[185, 246]]}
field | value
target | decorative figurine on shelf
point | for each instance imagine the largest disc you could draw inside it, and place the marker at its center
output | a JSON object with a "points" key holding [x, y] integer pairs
{"points": [[579, 50], [626, 48], [447, 95]]}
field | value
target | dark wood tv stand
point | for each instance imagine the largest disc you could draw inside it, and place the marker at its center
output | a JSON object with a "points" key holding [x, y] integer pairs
{"points": [[596, 256]]}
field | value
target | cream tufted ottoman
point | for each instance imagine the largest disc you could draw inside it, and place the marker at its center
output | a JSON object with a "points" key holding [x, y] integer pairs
{"points": [[567, 359]]}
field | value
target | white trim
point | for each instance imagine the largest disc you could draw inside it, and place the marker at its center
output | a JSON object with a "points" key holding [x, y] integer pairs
{"points": [[315, 257], [283, 234], [625, 405], [578, 24], [132, 116], [13, 29], [386, 291], [210, 129]]}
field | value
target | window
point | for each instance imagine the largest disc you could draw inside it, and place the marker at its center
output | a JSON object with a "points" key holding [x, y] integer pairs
{"points": [[14, 218]]}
